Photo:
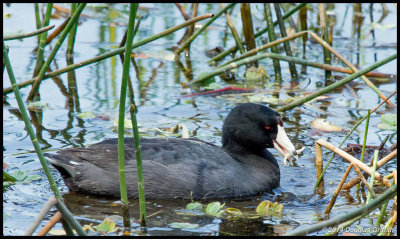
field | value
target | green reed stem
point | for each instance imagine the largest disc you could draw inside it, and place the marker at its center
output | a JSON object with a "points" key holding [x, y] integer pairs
{"points": [[42, 41], [343, 225], [383, 212], [324, 35], [28, 123], [365, 137], [292, 66], [72, 34], [54, 51], [194, 35], [338, 83], [233, 30], [29, 34], [139, 20], [359, 212], [260, 33], [272, 37], [372, 178], [121, 119], [29, 127], [68, 217], [37, 18], [345, 138]]}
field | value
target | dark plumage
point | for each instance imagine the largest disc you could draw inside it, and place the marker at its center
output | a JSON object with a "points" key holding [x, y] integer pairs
{"points": [[174, 167]]}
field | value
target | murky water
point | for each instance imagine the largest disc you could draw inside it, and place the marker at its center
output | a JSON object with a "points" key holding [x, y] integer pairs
{"points": [[160, 106]]}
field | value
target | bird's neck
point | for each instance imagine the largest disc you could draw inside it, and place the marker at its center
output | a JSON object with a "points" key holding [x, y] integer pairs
{"points": [[233, 147]]}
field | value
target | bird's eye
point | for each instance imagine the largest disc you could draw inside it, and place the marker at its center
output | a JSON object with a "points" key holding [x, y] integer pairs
{"points": [[267, 127]]}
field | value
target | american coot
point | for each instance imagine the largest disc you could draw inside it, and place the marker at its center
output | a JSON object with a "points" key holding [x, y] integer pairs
{"points": [[174, 167]]}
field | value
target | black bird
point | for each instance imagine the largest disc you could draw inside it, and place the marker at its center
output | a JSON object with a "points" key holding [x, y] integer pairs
{"points": [[173, 167]]}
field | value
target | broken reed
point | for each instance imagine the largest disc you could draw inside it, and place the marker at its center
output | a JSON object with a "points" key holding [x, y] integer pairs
{"points": [[345, 138]]}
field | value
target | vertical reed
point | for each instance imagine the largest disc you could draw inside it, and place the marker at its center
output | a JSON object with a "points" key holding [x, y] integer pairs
{"points": [[248, 29], [271, 35], [57, 46], [37, 17], [121, 119], [372, 179], [34, 140], [71, 36], [325, 36], [42, 42], [303, 27], [365, 136], [292, 66]]}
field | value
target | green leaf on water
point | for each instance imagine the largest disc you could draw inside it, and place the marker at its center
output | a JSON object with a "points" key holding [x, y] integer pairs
{"points": [[31, 178], [106, 226], [127, 123], [37, 105], [214, 209], [262, 208], [212, 86], [86, 115], [233, 213], [185, 225], [388, 121], [268, 208], [194, 205], [254, 73], [19, 175], [22, 177]]}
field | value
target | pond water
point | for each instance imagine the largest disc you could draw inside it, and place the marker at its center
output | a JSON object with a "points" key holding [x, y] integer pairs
{"points": [[158, 96]]}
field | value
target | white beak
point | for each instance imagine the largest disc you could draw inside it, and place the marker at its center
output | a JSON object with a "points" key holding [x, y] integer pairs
{"points": [[284, 145]]}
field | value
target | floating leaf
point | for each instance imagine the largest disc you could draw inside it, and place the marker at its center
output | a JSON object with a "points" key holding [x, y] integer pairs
{"points": [[213, 209], [268, 208], [386, 127], [262, 208], [233, 213], [185, 225], [86, 115], [106, 226], [254, 73], [212, 86], [37, 105], [127, 123], [388, 121], [22, 177], [58, 232], [325, 125], [194, 205]]}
